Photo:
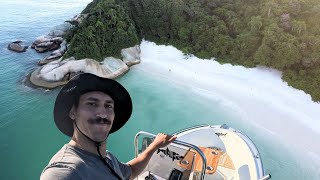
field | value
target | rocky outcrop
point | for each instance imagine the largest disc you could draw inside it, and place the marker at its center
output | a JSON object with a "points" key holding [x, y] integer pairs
{"points": [[55, 55], [76, 20], [36, 80], [115, 67], [47, 43], [17, 47], [58, 72], [52, 40], [60, 30], [131, 56]]}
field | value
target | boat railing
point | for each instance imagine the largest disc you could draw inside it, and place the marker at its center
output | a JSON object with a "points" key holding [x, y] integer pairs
{"points": [[253, 148], [189, 128], [177, 142]]}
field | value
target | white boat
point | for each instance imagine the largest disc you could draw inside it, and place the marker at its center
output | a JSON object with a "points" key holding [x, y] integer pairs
{"points": [[204, 152]]}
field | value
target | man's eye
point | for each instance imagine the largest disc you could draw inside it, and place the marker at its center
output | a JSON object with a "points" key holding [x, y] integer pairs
{"points": [[109, 106], [92, 104]]}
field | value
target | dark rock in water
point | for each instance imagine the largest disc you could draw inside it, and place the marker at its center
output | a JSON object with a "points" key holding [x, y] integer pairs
{"points": [[39, 42], [47, 46], [52, 40], [17, 41], [16, 46]]}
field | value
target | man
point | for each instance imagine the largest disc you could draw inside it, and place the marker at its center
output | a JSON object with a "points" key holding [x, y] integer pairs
{"points": [[88, 109]]}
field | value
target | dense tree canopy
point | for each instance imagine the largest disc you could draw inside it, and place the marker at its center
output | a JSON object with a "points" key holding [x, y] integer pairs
{"points": [[104, 32], [282, 34]]}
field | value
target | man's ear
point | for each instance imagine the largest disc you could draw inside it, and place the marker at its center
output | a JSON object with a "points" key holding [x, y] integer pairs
{"points": [[72, 113]]}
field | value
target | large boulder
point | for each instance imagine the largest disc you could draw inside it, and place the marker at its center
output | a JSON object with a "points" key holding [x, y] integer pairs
{"points": [[115, 67], [49, 59], [52, 40], [57, 40], [60, 30], [76, 20], [58, 72], [55, 73], [17, 47], [131, 56], [35, 79], [55, 55], [41, 39], [47, 46]]}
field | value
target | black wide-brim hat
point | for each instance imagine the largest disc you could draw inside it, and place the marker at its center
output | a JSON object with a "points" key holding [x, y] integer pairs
{"points": [[83, 83]]}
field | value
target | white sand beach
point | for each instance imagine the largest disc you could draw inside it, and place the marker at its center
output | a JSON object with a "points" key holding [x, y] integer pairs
{"points": [[257, 95]]}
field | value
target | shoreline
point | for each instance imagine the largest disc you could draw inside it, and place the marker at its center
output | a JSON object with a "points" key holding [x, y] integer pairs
{"points": [[257, 95]]}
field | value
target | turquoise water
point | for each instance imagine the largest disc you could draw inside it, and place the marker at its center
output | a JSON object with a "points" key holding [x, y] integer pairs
{"points": [[29, 138]]}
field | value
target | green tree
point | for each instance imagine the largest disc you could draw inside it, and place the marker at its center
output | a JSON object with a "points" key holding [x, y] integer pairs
{"points": [[255, 23], [299, 26], [245, 32], [269, 7], [104, 32]]}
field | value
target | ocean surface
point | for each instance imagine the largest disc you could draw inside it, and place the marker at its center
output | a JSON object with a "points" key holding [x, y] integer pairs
{"points": [[169, 91]]}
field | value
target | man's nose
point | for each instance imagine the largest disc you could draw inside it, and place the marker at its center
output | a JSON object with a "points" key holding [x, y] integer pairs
{"points": [[102, 112]]}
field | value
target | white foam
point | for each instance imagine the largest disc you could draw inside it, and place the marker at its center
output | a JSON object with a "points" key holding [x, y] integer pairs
{"points": [[258, 95]]}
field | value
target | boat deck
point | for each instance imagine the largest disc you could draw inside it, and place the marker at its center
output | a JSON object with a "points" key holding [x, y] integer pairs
{"points": [[229, 154]]}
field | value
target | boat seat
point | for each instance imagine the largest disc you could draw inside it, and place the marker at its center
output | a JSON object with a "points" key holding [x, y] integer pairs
{"points": [[193, 158]]}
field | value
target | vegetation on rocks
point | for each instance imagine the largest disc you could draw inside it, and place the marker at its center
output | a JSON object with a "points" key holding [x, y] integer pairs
{"points": [[104, 32]]}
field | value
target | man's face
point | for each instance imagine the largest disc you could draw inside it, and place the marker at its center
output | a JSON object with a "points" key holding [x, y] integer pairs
{"points": [[94, 115]]}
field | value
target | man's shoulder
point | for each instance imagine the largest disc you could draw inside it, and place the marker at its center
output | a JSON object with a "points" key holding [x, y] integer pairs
{"points": [[59, 171], [67, 155], [64, 164]]}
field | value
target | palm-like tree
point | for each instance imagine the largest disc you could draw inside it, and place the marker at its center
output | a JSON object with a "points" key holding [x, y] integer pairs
{"points": [[299, 26], [268, 7], [255, 23]]}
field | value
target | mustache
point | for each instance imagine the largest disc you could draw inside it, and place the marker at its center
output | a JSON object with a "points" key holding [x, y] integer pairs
{"points": [[99, 120]]}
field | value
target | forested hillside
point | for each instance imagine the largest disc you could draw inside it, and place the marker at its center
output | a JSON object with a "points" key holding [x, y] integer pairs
{"points": [[104, 32], [282, 34]]}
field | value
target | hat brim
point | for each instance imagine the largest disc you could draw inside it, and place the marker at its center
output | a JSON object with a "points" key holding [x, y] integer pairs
{"points": [[82, 84]]}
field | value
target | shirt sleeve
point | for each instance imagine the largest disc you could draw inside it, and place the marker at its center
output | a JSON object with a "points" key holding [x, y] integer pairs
{"points": [[124, 168], [59, 173]]}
